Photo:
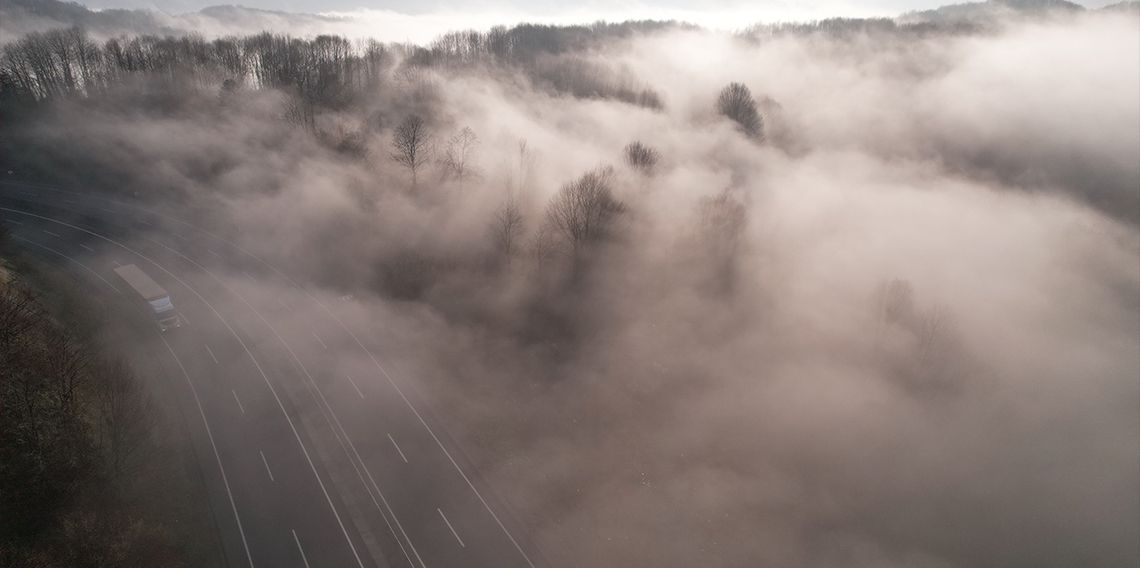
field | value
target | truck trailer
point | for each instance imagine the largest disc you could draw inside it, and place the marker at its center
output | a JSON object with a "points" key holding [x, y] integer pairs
{"points": [[156, 299]]}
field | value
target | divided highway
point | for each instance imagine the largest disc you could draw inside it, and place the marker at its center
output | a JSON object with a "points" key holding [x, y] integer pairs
{"points": [[315, 451]]}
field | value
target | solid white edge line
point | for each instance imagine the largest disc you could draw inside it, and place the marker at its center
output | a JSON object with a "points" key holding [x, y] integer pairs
{"points": [[265, 377], [451, 527], [214, 446], [440, 443], [398, 390], [272, 390], [354, 337], [351, 445], [197, 401], [84, 266], [256, 364]]}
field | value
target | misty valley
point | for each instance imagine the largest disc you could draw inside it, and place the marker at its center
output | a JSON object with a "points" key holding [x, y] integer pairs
{"points": [[858, 292]]}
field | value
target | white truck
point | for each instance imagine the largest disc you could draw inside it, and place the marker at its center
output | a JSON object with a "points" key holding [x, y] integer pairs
{"points": [[153, 295]]}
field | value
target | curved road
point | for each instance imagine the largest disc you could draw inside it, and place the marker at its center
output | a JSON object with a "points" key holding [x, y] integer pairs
{"points": [[314, 451]]}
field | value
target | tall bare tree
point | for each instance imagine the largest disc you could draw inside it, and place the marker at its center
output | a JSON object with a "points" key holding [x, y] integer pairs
{"points": [[543, 245], [894, 302], [412, 145], [736, 103], [521, 174], [459, 156], [507, 228], [584, 210], [723, 219], [126, 415]]}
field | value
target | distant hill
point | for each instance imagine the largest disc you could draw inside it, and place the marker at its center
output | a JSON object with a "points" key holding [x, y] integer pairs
{"points": [[1123, 7], [991, 11], [19, 17]]}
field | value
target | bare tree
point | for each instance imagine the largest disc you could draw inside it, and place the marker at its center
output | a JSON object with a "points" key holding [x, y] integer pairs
{"points": [[584, 210], [723, 219], [19, 314], [507, 228], [64, 45], [642, 157], [126, 415], [722, 222], [736, 103], [460, 154], [542, 244], [68, 369], [299, 112], [894, 302], [412, 145], [520, 170], [934, 330]]}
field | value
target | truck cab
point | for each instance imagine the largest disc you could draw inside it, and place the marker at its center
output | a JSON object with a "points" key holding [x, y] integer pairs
{"points": [[164, 313]]}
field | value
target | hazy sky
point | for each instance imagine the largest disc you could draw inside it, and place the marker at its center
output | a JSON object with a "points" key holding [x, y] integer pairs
{"points": [[905, 333], [719, 13], [420, 21]]}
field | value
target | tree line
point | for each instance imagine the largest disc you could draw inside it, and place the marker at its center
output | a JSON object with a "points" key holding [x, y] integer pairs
{"points": [[324, 72], [325, 69], [86, 477]]}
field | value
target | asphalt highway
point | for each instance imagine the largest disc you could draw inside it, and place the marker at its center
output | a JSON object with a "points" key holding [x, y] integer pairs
{"points": [[315, 446]]}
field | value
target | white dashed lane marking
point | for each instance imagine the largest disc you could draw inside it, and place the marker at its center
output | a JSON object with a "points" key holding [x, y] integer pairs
{"points": [[398, 448], [452, 529], [306, 560], [266, 462], [240, 407], [354, 386]]}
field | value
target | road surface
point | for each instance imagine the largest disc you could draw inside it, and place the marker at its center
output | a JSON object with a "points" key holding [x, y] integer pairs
{"points": [[315, 450]]}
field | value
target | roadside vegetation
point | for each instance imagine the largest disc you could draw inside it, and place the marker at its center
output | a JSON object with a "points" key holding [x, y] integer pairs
{"points": [[819, 294], [91, 474]]}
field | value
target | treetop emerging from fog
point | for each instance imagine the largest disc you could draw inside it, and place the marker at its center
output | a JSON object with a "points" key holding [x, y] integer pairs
{"points": [[850, 292]]}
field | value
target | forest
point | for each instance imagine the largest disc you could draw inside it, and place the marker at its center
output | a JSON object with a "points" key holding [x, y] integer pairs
{"points": [[852, 292], [94, 471]]}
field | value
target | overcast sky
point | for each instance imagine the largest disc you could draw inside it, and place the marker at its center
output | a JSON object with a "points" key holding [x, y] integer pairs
{"points": [[714, 13]]}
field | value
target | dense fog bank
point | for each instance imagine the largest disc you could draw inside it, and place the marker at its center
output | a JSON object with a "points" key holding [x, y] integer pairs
{"points": [[830, 298]]}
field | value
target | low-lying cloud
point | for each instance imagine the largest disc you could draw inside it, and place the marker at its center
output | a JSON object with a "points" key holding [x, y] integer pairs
{"points": [[902, 330]]}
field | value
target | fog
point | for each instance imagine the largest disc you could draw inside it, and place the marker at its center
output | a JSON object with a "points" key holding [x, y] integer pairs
{"points": [[416, 22], [901, 327]]}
